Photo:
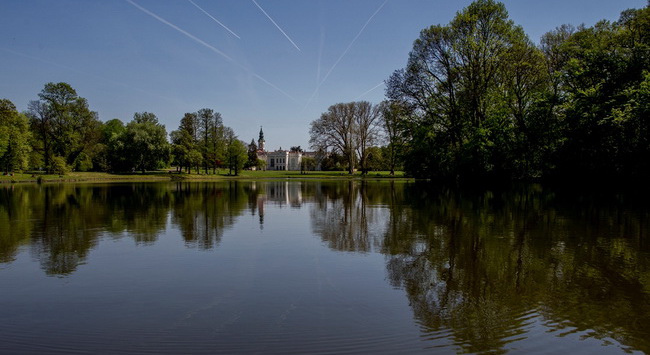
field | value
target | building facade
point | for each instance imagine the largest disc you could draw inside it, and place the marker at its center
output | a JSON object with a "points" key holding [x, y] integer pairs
{"points": [[280, 159]]}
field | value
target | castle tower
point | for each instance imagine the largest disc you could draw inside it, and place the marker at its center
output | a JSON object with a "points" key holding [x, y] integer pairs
{"points": [[260, 141]]}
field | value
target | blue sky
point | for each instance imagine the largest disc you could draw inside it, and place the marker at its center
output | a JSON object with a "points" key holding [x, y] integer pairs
{"points": [[272, 63]]}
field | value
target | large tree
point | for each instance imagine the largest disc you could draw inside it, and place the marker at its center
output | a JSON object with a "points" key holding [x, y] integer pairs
{"points": [[64, 123], [236, 152], [605, 83], [367, 128], [347, 128], [335, 130], [145, 142], [185, 143], [199, 140], [113, 141], [393, 116], [465, 84], [14, 138], [252, 155], [209, 127]]}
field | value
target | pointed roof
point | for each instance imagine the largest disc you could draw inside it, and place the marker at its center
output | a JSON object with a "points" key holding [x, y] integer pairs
{"points": [[261, 134]]}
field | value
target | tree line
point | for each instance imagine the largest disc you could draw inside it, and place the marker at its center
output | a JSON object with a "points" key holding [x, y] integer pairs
{"points": [[479, 100], [59, 133]]}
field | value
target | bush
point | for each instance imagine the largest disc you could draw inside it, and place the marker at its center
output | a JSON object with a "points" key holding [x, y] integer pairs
{"points": [[83, 163], [59, 166]]}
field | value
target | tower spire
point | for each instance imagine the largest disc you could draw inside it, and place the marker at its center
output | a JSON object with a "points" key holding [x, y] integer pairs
{"points": [[260, 141]]}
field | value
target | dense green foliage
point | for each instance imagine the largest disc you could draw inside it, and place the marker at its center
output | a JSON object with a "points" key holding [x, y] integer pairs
{"points": [[14, 138], [59, 133], [236, 152], [63, 125], [145, 142], [477, 99]]}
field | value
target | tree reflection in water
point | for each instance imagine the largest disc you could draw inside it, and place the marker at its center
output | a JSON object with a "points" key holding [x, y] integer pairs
{"points": [[62, 223], [486, 265], [203, 211], [479, 267]]}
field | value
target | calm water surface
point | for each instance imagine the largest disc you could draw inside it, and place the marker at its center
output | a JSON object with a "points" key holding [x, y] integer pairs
{"points": [[321, 268]]}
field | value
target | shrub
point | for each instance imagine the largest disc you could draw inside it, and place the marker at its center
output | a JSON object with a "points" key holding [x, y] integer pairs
{"points": [[59, 166]]}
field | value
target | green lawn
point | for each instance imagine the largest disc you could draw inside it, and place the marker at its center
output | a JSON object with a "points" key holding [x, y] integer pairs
{"points": [[82, 176], [274, 174], [167, 174]]}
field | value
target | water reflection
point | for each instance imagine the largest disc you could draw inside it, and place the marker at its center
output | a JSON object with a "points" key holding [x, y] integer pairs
{"points": [[203, 211], [481, 268], [484, 264], [343, 216]]}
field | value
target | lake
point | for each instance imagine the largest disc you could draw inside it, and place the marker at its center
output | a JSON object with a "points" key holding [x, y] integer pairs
{"points": [[321, 267]]}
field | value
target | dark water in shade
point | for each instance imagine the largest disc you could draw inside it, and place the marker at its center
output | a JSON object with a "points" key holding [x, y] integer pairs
{"points": [[321, 268]]}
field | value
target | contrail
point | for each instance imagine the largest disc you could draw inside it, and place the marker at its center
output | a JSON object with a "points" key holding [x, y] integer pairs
{"points": [[215, 20], [367, 92], [320, 57], [351, 43], [345, 52], [203, 43], [276, 25], [320, 54]]}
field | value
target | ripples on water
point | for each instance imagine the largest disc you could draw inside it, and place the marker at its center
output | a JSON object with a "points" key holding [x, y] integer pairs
{"points": [[321, 267]]}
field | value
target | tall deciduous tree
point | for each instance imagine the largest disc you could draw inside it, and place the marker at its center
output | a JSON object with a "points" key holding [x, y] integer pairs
{"points": [[208, 120], [14, 138], [335, 129], [185, 143], [464, 85], [366, 125], [604, 111], [145, 142], [236, 152], [347, 128], [252, 154], [64, 123], [113, 140], [393, 116], [40, 122]]}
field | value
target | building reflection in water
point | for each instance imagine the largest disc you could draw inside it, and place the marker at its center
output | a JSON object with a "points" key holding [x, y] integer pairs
{"points": [[278, 193], [480, 266]]}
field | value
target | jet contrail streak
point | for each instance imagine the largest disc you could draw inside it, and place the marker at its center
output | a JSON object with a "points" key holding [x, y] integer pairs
{"points": [[320, 57], [351, 43], [203, 43], [320, 54], [215, 20], [345, 52], [276, 25], [367, 92]]}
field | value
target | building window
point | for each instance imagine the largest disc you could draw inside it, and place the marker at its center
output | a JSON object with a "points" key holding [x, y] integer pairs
{"points": [[272, 162]]}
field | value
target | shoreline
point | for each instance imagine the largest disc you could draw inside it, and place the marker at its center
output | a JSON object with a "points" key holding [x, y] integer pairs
{"points": [[163, 176]]}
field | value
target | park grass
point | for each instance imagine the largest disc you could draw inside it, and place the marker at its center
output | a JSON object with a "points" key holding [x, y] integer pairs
{"points": [[82, 177], [279, 174], [171, 174]]}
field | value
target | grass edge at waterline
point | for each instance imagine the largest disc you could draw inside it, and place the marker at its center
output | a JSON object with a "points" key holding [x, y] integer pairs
{"points": [[171, 174]]}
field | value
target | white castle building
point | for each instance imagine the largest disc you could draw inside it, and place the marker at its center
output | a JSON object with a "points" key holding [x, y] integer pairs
{"points": [[280, 159]]}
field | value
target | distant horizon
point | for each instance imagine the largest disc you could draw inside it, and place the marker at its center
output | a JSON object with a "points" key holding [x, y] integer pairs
{"points": [[259, 63]]}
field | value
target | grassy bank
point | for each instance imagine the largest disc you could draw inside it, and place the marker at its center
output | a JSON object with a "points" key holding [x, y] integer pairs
{"points": [[166, 175]]}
